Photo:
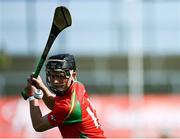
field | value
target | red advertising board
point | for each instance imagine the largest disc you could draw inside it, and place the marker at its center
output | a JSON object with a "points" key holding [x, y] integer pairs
{"points": [[150, 116]]}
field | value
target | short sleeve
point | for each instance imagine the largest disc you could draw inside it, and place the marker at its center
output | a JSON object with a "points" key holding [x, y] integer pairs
{"points": [[60, 111]]}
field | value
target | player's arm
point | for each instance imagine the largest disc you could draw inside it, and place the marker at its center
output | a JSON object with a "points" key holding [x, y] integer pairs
{"points": [[48, 97], [40, 123]]}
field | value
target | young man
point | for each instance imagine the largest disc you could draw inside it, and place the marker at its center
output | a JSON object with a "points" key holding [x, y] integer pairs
{"points": [[68, 100]]}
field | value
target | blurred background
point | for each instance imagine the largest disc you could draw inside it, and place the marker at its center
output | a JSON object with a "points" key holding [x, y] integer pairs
{"points": [[127, 54]]}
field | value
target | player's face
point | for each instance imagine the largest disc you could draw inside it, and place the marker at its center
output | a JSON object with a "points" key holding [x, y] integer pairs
{"points": [[59, 80]]}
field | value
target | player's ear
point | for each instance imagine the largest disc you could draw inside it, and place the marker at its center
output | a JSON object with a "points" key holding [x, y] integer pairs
{"points": [[74, 75]]}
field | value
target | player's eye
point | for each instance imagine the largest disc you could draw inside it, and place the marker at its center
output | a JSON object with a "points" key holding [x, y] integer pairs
{"points": [[62, 76], [58, 76], [53, 76]]}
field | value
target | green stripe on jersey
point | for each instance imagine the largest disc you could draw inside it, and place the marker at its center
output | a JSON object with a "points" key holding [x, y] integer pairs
{"points": [[76, 115], [83, 136]]}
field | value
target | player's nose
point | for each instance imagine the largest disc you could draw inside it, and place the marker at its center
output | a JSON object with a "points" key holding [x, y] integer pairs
{"points": [[55, 81]]}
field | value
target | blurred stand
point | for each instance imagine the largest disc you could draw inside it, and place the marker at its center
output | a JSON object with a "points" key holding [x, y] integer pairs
{"points": [[135, 51]]}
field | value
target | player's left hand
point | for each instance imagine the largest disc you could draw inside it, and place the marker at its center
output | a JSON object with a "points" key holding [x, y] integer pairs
{"points": [[29, 89]]}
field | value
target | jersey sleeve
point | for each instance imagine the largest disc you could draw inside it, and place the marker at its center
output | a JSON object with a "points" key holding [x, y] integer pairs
{"points": [[60, 111]]}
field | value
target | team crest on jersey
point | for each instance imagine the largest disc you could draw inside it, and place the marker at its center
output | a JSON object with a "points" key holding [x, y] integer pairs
{"points": [[53, 118]]}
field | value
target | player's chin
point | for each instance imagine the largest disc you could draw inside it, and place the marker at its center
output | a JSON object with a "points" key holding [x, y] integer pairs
{"points": [[61, 88]]}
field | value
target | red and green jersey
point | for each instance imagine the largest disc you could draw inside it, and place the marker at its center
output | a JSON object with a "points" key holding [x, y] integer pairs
{"points": [[74, 115]]}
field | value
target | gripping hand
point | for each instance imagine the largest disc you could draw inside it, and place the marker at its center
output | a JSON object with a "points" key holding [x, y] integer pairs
{"points": [[27, 92]]}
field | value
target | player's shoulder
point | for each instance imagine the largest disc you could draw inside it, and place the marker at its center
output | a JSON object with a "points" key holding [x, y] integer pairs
{"points": [[79, 84], [80, 88]]}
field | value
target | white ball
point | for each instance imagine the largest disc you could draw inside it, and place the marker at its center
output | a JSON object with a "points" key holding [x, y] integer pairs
{"points": [[38, 94]]}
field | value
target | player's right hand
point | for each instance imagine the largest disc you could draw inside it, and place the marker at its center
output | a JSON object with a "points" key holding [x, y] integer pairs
{"points": [[38, 83]]}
